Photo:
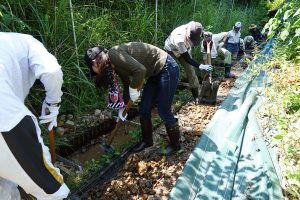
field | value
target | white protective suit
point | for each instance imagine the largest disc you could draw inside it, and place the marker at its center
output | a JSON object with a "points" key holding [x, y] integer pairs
{"points": [[23, 59], [218, 48]]}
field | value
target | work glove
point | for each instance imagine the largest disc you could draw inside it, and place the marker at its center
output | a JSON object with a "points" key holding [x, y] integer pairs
{"points": [[49, 114], [207, 68], [134, 94], [123, 118], [221, 44]]}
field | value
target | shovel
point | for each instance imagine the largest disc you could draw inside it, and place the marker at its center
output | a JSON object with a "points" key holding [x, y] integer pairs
{"points": [[53, 154], [209, 88], [107, 146], [52, 146]]}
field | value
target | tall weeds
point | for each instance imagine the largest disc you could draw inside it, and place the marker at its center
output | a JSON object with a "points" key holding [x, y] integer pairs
{"points": [[109, 23]]}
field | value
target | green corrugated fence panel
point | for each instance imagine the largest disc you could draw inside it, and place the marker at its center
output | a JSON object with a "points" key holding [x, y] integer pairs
{"points": [[231, 160]]}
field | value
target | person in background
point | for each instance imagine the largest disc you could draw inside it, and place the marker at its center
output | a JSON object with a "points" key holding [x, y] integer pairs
{"points": [[179, 44], [233, 40], [25, 160], [133, 63], [219, 54], [255, 33], [249, 44]]}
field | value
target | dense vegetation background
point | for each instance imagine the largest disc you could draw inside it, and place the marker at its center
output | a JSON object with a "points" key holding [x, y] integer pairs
{"points": [[67, 28]]}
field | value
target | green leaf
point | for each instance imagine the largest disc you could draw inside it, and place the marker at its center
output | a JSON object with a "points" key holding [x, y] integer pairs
{"points": [[297, 32], [284, 35], [296, 24], [278, 136], [297, 12], [287, 14]]}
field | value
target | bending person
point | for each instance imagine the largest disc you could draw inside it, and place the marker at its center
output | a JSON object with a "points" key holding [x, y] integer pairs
{"points": [[25, 160], [179, 44], [133, 63]]}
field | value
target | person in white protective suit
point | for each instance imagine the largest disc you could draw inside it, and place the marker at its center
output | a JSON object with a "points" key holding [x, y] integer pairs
{"points": [[24, 159], [219, 54]]}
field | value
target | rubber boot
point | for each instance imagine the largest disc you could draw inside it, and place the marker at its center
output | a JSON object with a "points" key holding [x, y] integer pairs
{"points": [[147, 140], [174, 136], [227, 72], [195, 93]]}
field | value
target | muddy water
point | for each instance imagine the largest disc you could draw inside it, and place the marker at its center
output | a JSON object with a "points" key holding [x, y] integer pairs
{"points": [[94, 151]]}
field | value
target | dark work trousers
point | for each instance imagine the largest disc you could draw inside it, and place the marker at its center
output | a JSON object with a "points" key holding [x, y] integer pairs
{"points": [[160, 90]]}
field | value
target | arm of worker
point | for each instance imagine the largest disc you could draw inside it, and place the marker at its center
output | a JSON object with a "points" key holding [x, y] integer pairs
{"points": [[187, 58], [46, 68], [192, 62], [225, 40]]}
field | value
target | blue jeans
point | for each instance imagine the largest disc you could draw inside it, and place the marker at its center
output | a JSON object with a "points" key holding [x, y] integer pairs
{"points": [[233, 47], [161, 89]]}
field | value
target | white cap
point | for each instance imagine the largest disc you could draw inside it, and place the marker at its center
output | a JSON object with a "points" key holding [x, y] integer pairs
{"points": [[238, 25], [249, 39]]}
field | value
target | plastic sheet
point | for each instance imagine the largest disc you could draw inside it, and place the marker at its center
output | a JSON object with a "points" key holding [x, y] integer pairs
{"points": [[231, 159]]}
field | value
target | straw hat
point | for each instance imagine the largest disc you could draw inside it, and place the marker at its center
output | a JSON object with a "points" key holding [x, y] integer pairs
{"points": [[252, 26]]}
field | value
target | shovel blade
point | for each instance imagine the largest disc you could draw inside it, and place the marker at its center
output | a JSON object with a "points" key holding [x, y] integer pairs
{"points": [[209, 92], [107, 148]]}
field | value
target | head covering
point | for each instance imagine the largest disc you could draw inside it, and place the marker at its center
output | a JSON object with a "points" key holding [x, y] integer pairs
{"points": [[193, 26], [115, 98], [252, 26], [91, 55], [194, 32], [249, 39], [238, 25], [207, 34], [206, 41]]}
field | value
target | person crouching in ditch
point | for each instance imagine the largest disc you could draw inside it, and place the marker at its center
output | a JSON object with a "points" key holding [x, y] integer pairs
{"points": [[135, 62]]}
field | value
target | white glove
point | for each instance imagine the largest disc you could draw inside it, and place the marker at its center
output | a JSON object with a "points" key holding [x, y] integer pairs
{"points": [[49, 114], [121, 110], [221, 44], [134, 94], [207, 68]]}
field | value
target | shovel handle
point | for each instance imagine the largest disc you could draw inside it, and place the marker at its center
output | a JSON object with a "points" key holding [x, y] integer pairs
{"points": [[52, 146], [119, 122], [208, 61]]}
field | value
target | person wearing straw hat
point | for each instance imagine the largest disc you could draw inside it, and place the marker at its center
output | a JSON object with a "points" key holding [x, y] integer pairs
{"points": [[179, 44], [25, 160], [133, 63], [255, 33]]}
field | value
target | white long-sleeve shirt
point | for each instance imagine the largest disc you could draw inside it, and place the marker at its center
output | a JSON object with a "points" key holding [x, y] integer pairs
{"points": [[23, 59]]}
